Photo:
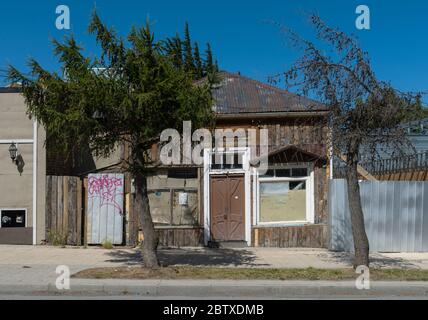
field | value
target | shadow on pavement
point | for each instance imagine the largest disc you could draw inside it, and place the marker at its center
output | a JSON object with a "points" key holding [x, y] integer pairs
{"points": [[377, 260], [191, 257]]}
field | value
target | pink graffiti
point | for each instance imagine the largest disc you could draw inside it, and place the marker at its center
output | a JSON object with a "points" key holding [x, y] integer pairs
{"points": [[105, 188]]}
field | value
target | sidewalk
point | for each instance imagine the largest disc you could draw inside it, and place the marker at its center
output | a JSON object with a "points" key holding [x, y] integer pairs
{"points": [[242, 289], [29, 269]]}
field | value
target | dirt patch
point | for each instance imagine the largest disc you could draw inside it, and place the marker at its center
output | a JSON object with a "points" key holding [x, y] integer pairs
{"points": [[199, 273]]}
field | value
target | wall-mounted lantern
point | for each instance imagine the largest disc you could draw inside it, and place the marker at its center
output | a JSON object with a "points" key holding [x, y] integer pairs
{"points": [[13, 151]]}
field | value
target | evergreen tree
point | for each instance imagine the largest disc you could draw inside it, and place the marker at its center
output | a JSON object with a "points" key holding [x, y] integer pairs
{"points": [[216, 68], [199, 68], [174, 48], [189, 65], [209, 65], [139, 94]]}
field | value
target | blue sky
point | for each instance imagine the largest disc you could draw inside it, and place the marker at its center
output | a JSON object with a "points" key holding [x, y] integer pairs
{"points": [[240, 37]]}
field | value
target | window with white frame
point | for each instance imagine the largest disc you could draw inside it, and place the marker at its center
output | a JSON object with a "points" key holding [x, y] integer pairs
{"points": [[285, 196], [227, 160]]}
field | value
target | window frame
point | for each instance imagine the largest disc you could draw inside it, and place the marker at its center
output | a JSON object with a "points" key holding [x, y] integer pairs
{"points": [[310, 216], [227, 151], [15, 209]]}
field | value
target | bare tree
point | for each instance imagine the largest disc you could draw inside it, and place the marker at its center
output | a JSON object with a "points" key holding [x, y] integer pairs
{"points": [[365, 113]]}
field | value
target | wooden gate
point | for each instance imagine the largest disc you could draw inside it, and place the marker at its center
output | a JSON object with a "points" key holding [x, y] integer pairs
{"points": [[227, 202], [63, 210]]}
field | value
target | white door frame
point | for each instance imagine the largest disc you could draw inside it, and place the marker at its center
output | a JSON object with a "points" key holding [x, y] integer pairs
{"points": [[247, 189]]}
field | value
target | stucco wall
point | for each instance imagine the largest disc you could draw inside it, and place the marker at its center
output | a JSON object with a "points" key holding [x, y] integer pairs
{"points": [[16, 185]]}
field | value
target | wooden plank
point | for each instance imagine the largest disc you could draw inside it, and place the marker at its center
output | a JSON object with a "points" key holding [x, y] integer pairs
{"points": [[79, 212], [86, 223], [48, 211], [363, 172], [54, 206], [65, 206], [72, 210], [60, 206]]}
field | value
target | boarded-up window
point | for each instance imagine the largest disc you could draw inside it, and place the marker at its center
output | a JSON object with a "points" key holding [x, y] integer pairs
{"points": [[160, 206], [174, 207], [282, 201], [173, 197]]}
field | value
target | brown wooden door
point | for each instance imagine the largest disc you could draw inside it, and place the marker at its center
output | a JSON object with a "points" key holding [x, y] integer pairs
{"points": [[227, 202]]}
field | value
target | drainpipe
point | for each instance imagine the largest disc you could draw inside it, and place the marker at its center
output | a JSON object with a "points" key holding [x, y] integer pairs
{"points": [[331, 155], [34, 182]]}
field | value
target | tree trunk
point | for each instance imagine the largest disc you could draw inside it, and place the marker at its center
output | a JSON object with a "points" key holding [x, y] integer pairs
{"points": [[150, 242], [361, 242]]}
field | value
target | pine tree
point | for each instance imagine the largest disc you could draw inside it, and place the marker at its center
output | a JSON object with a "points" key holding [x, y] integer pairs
{"points": [[189, 65], [174, 48], [209, 65], [141, 94], [216, 68], [198, 62]]}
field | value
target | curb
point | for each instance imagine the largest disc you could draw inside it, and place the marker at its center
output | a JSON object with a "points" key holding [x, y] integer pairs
{"points": [[224, 288]]}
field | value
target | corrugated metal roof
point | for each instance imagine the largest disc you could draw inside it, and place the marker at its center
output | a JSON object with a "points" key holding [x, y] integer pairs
{"points": [[10, 90], [238, 94]]}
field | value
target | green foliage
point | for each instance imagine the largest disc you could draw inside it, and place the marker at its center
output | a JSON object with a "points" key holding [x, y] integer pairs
{"points": [[199, 68], [56, 238], [188, 57], [189, 65], [107, 244], [209, 65], [415, 111], [129, 93]]}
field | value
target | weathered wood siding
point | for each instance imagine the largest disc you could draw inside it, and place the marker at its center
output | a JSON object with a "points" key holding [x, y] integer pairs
{"points": [[181, 237], [409, 175], [64, 209], [309, 236]]}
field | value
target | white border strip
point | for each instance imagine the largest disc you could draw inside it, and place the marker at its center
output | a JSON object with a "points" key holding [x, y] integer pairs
{"points": [[34, 213]]}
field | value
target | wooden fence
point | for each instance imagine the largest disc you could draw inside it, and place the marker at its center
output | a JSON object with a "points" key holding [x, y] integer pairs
{"points": [[406, 168], [309, 236], [64, 212]]}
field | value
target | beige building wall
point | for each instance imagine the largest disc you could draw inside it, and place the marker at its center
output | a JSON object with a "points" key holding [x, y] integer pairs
{"points": [[16, 184]]}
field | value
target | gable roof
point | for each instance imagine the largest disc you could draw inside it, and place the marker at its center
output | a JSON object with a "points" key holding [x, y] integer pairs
{"points": [[295, 153], [237, 94]]}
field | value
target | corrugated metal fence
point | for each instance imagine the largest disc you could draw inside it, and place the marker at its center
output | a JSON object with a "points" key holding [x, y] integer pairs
{"points": [[395, 215]]}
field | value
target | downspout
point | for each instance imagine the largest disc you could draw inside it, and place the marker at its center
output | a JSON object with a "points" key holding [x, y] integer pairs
{"points": [[331, 151], [331, 161], [35, 158]]}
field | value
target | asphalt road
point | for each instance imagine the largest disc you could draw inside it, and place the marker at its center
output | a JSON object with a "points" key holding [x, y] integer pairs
{"points": [[216, 289]]}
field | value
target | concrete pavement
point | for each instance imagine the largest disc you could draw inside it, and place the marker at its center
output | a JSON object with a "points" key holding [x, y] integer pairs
{"points": [[31, 270], [232, 289]]}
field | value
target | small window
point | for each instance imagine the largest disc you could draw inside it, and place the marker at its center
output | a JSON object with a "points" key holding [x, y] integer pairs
{"points": [[299, 172], [227, 160], [183, 173], [13, 218], [283, 173], [286, 173], [269, 174]]}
